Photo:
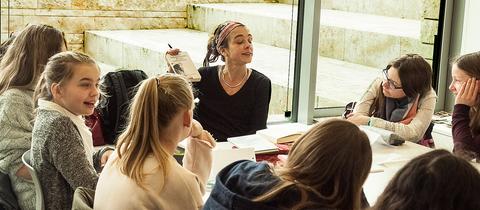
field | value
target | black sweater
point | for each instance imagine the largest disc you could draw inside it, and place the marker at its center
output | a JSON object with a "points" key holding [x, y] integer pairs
{"points": [[225, 116]]}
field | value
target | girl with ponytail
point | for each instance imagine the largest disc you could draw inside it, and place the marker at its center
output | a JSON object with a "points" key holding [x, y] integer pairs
{"points": [[142, 173], [234, 99], [321, 173], [62, 146]]}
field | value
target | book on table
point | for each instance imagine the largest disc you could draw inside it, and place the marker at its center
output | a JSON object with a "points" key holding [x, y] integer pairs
{"points": [[258, 143], [283, 133], [183, 64]]}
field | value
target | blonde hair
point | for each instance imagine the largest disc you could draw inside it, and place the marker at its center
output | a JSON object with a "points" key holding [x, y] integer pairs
{"points": [[58, 70], [25, 58], [154, 106], [330, 162]]}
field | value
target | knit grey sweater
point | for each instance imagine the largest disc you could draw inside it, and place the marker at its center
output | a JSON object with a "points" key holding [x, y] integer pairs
{"points": [[16, 122], [59, 158]]}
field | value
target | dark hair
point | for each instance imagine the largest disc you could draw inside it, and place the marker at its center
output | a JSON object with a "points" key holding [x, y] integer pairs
{"points": [[25, 59], [432, 181], [470, 64], [327, 165], [212, 52], [415, 74]]}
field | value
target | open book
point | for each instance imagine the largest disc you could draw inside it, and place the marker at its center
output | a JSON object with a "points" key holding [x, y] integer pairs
{"points": [[183, 64], [260, 145], [384, 136], [283, 133]]}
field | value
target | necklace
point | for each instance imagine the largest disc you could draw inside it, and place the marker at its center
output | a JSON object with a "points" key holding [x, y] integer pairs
{"points": [[229, 85]]}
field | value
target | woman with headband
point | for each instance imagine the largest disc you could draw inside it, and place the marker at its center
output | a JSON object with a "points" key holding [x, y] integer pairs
{"points": [[234, 99]]}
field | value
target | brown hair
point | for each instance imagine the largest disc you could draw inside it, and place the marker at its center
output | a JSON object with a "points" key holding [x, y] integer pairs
{"points": [[155, 104], [435, 180], [25, 59], [212, 52], [330, 162], [4, 46], [470, 64], [58, 70], [415, 74]]}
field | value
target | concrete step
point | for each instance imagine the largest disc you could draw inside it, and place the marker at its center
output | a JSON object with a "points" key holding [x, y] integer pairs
{"points": [[338, 81], [365, 39]]}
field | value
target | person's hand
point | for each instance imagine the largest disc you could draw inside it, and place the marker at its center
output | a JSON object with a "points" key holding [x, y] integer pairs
{"points": [[468, 93], [358, 119], [104, 158], [196, 130], [206, 138], [174, 51], [24, 173]]}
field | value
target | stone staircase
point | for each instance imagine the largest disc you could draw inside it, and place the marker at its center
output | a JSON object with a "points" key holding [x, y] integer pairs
{"points": [[353, 46]]}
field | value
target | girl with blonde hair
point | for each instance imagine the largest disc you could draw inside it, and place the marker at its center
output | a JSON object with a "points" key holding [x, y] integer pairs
{"points": [[62, 145], [326, 169], [142, 173], [20, 69]]}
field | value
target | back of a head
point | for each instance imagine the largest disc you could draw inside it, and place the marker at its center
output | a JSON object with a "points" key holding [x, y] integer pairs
{"points": [[25, 59], [415, 74], [433, 181], [157, 101], [333, 159]]}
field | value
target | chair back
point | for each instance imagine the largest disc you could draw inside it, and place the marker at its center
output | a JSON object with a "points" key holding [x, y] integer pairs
{"points": [[83, 199], [27, 161]]}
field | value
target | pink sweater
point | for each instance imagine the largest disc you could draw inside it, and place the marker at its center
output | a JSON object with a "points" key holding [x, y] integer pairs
{"points": [[183, 187]]}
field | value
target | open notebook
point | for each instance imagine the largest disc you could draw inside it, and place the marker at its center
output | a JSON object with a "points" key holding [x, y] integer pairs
{"points": [[255, 141]]}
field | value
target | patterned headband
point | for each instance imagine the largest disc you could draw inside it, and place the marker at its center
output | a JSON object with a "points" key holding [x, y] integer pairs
{"points": [[225, 32]]}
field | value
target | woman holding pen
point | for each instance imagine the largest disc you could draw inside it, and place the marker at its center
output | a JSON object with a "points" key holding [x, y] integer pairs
{"points": [[402, 102], [234, 99]]}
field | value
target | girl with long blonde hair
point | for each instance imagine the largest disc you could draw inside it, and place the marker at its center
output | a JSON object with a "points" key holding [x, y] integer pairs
{"points": [[142, 173], [326, 169], [20, 69]]}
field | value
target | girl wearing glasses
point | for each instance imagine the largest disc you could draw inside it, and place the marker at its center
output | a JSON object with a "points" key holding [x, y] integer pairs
{"points": [[466, 118], [234, 99], [402, 102]]}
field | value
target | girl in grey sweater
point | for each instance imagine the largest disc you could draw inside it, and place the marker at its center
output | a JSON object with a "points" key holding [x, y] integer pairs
{"points": [[20, 70], [62, 146]]}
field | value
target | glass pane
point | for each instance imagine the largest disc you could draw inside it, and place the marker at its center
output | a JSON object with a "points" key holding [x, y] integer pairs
{"points": [[358, 38]]}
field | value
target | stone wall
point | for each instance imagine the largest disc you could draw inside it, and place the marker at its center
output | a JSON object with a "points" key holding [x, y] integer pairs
{"points": [[76, 16]]}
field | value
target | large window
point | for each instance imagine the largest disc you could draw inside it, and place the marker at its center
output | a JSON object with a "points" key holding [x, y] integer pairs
{"points": [[357, 39]]}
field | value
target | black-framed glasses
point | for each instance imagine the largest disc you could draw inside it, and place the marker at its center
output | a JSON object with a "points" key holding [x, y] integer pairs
{"points": [[391, 83]]}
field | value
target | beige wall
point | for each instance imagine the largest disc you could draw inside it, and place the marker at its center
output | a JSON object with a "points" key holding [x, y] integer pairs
{"points": [[76, 16]]}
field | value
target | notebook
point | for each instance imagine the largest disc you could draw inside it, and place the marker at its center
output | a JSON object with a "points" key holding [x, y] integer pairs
{"points": [[283, 133], [223, 157], [258, 143]]}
